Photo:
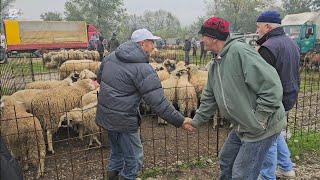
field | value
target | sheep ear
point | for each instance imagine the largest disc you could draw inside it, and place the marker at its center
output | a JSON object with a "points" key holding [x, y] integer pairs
{"points": [[82, 75], [1, 104]]}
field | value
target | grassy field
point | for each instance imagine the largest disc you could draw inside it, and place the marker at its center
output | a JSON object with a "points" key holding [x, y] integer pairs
{"points": [[304, 142]]}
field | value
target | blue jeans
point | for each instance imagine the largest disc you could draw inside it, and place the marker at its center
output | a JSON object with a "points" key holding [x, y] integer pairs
{"points": [[278, 154], [126, 153], [242, 160]]}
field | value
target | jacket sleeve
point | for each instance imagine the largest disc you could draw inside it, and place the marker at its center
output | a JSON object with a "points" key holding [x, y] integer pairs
{"points": [[149, 86], [263, 79], [208, 104], [100, 69]]}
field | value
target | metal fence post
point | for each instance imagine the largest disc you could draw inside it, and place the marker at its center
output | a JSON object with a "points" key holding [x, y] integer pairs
{"points": [[31, 69]]}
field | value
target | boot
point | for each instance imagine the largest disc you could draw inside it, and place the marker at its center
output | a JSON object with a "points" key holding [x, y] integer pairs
{"points": [[113, 175]]}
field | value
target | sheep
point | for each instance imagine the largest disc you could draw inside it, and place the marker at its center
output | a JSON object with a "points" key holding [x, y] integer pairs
{"points": [[90, 97], [170, 65], [21, 128], [160, 69], [312, 60], [180, 64], [198, 78], [77, 65], [163, 74], [169, 88], [52, 83], [168, 54], [186, 95], [25, 97], [54, 59], [87, 74], [50, 104], [84, 118]]}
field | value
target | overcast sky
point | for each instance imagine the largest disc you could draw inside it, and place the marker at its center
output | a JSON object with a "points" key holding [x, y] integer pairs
{"points": [[186, 10]]}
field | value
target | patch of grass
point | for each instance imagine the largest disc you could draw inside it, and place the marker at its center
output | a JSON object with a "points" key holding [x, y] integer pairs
{"points": [[22, 67], [304, 142], [154, 172]]}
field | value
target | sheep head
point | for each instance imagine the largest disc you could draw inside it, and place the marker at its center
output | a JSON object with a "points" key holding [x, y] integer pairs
{"points": [[87, 84], [170, 65], [87, 74], [10, 102]]}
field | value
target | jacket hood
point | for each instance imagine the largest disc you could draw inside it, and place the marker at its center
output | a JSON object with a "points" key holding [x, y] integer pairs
{"points": [[131, 52]]}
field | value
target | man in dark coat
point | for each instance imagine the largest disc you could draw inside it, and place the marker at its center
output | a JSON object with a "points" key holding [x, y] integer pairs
{"points": [[125, 78], [186, 49]]}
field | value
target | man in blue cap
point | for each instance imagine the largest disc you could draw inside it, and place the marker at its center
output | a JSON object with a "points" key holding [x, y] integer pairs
{"points": [[283, 54]]}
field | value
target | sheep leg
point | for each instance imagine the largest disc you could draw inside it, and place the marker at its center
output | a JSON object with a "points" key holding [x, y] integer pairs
{"points": [[26, 163], [49, 139], [40, 169], [81, 132], [90, 141], [97, 140]]}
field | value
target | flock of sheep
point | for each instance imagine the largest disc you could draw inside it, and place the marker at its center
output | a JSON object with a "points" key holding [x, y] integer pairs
{"points": [[45, 106], [41, 108]]}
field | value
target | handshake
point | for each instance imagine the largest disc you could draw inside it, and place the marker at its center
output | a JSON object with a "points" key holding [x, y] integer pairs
{"points": [[187, 125]]}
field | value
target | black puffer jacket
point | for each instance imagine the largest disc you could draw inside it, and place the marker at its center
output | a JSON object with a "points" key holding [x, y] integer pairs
{"points": [[125, 77]]}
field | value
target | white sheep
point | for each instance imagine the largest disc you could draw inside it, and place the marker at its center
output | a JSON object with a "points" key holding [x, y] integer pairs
{"points": [[77, 65], [84, 119], [169, 88], [74, 76], [26, 96], [186, 95], [23, 134], [198, 78], [50, 83], [50, 104], [90, 97]]}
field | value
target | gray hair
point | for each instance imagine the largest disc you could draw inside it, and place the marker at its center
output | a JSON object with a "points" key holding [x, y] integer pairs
{"points": [[273, 25]]}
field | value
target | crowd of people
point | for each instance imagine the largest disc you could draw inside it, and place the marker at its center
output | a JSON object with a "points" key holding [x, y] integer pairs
{"points": [[254, 90]]}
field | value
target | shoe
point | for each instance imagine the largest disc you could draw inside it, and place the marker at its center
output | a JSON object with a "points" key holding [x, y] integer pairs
{"points": [[285, 174]]}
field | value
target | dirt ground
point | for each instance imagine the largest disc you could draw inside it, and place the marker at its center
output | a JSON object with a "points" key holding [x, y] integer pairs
{"points": [[163, 147]]}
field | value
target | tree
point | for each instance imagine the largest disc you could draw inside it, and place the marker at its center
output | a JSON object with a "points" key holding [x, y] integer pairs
{"points": [[5, 6], [299, 6], [161, 23], [104, 14], [241, 14], [51, 16]]}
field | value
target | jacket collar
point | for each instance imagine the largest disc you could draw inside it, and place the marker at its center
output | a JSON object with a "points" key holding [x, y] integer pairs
{"points": [[273, 33]]}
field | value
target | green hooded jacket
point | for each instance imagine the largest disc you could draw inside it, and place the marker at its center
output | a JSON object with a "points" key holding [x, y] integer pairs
{"points": [[246, 90]]}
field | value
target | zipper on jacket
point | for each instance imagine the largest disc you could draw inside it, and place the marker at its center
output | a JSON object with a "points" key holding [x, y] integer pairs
{"points": [[223, 97]]}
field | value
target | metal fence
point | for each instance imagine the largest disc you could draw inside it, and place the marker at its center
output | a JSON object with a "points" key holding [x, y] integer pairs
{"points": [[164, 145]]}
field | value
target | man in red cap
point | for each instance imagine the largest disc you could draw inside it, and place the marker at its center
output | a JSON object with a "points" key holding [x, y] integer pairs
{"points": [[248, 92]]}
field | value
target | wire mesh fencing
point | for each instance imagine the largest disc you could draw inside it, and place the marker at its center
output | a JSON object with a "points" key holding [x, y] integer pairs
{"points": [[80, 148]]}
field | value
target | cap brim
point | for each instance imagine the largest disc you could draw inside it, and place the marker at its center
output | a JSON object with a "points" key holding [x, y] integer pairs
{"points": [[154, 38]]}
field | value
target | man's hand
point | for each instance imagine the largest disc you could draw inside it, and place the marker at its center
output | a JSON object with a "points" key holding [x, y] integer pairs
{"points": [[187, 125]]}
